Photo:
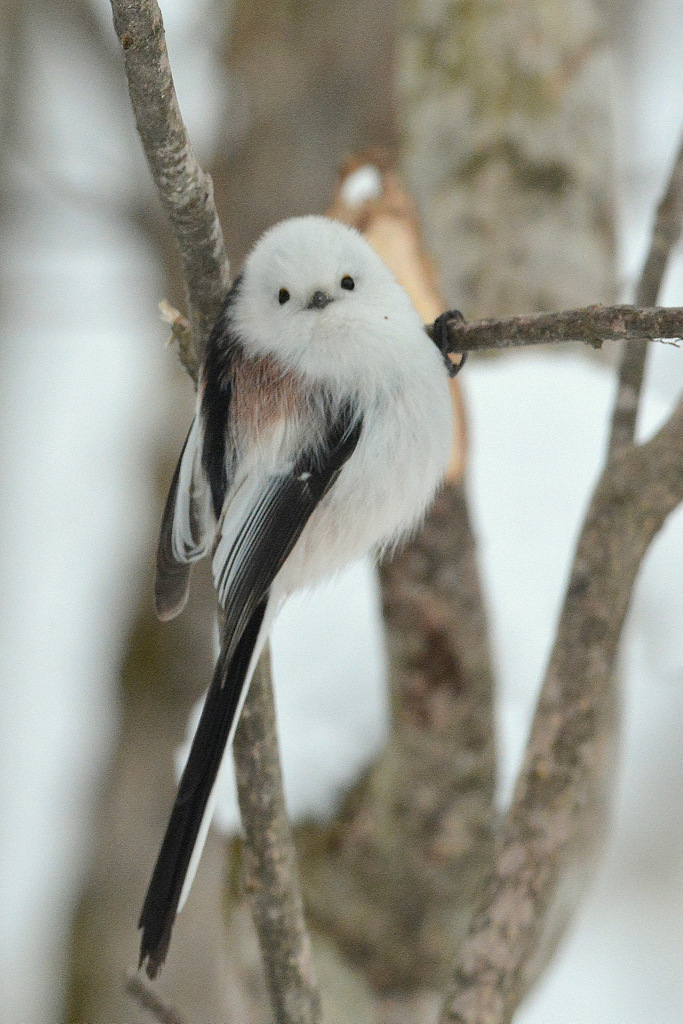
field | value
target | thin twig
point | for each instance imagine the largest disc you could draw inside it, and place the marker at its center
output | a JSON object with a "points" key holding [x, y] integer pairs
{"points": [[270, 867], [186, 191], [592, 325], [638, 489], [150, 1000], [665, 235], [187, 194]]}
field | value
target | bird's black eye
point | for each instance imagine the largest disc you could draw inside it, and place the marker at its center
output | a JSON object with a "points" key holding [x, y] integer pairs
{"points": [[348, 283], [283, 296]]}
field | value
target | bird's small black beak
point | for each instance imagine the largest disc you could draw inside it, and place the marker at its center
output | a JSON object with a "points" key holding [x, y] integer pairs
{"points": [[319, 300]]}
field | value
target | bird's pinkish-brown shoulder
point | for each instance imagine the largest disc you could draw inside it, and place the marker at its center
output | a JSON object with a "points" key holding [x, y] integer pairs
{"points": [[264, 393]]}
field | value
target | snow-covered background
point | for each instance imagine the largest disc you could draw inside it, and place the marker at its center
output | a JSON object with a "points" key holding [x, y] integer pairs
{"points": [[81, 408]]}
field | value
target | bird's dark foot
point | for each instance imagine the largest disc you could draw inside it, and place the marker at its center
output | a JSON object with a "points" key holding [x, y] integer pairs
{"points": [[440, 335]]}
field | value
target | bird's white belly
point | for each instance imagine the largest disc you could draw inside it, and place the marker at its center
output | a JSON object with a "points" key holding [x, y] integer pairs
{"points": [[384, 489]]}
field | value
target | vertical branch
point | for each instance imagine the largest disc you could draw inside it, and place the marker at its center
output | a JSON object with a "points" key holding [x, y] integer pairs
{"points": [[665, 235], [272, 877], [185, 190]]}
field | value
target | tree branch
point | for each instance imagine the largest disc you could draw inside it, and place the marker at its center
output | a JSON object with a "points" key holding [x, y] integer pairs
{"points": [[592, 325], [185, 190], [665, 235], [637, 491], [271, 873]]}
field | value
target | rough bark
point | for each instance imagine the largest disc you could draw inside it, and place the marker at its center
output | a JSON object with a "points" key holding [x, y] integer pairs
{"points": [[384, 886], [411, 839], [505, 122]]}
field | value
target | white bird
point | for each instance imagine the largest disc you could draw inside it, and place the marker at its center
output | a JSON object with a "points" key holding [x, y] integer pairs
{"points": [[322, 432]]}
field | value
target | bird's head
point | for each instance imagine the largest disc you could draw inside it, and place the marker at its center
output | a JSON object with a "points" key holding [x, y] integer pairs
{"points": [[315, 295]]}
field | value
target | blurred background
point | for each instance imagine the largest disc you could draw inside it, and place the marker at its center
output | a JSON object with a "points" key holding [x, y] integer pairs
{"points": [[527, 205]]}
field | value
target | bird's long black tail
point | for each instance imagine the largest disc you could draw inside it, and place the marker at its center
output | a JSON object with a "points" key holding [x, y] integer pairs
{"points": [[165, 888]]}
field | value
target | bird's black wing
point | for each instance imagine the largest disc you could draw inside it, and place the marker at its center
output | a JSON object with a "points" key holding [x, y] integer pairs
{"points": [[200, 481], [248, 556], [268, 532]]}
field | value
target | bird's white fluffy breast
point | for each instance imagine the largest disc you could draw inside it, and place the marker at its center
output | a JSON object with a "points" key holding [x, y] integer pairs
{"points": [[385, 488]]}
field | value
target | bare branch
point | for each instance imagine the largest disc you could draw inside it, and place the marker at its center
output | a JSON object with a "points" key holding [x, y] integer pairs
{"points": [[150, 1000], [271, 873], [592, 325], [665, 235], [186, 191], [637, 491]]}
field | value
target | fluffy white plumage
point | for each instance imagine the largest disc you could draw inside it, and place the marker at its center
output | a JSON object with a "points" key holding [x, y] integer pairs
{"points": [[323, 429], [367, 346]]}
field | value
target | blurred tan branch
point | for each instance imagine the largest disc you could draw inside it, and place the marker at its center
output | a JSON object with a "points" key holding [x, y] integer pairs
{"points": [[640, 486]]}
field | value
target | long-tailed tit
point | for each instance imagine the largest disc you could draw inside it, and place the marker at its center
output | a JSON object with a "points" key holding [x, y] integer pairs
{"points": [[322, 431]]}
